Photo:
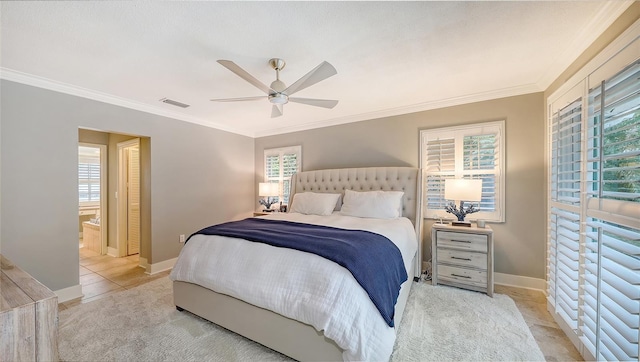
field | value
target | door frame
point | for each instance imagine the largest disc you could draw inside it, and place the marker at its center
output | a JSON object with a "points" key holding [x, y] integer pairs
{"points": [[121, 209], [104, 210]]}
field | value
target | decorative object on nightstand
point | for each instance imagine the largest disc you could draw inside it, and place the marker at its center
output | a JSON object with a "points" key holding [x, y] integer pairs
{"points": [[462, 257], [268, 189], [462, 190]]}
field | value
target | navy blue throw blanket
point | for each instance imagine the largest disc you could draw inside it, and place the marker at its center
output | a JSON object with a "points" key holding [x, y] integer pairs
{"points": [[374, 261]]}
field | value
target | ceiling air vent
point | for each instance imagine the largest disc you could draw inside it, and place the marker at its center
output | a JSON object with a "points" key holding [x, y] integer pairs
{"points": [[174, 103]]}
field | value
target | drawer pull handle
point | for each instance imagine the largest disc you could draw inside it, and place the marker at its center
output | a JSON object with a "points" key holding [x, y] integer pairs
{"points": [[460, 276], [461, 241], [455, 257]]}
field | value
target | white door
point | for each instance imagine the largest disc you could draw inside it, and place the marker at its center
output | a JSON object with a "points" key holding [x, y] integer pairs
{"points": [[133, 201], [128, 197]]}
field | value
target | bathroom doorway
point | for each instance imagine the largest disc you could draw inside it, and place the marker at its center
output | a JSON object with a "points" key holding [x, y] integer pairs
{"points": [[128, 198], [92, 205]]}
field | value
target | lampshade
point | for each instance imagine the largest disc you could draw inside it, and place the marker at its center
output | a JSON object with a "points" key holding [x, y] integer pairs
{"points": [[268, 189], [463, 189]]}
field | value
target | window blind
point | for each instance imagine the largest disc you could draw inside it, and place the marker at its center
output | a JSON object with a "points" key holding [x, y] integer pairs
{"points": [[471, 152], [439, 165], [89, 180], [280, 164], [564, 236], [610, 314], [593, 265]]}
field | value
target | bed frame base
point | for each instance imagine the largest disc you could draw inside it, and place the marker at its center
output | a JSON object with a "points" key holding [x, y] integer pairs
{"points": [[290, 337]]}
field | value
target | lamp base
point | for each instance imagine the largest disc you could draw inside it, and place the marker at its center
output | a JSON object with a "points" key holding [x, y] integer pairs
{"points": [[268, 210], [461, 223]]}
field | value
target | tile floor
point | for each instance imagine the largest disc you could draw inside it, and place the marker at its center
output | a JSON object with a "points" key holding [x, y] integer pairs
{"points": [[554, 344], [102, 275]]}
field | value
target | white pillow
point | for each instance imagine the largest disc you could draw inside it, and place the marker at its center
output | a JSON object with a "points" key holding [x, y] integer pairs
{"points": [[312, 203], [374, 204]]}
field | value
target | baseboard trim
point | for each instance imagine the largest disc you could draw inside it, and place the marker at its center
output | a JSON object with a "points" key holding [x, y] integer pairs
{"points": [[67, 294], [157, 267], [112, 252], [520, 281]]}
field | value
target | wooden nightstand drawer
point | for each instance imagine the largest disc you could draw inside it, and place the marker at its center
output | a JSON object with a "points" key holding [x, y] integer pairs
{"points": [[462, 258], [462, 275], [462, 241]]}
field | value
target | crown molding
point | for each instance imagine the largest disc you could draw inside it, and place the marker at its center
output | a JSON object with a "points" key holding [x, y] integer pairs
{"points": [[41, 82], [619, 43], [419, 107], [596, 27]]}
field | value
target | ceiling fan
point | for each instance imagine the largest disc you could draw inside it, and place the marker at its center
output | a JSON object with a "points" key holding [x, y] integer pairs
{"points": [[278, 93]]}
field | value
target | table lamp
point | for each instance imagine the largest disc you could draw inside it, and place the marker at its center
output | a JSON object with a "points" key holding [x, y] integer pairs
{"points": [[462, 190], [268, 189]]}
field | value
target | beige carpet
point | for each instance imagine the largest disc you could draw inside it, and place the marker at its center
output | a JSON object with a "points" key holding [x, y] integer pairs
{"points": [[142, 324]]}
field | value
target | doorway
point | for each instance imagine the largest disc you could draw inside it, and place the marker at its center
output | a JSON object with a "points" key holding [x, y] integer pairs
{"points": [[92, 204], [128, 198]]}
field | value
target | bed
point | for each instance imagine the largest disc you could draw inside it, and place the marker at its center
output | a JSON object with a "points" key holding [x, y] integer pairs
{"points": [[287, 335]]}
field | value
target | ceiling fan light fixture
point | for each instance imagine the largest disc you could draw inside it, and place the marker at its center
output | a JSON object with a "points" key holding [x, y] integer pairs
{"points": [[278, 98]]}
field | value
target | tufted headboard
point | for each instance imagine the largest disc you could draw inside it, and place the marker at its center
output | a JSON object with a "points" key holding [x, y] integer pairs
{"points": [[363, 179], [407, 179]]}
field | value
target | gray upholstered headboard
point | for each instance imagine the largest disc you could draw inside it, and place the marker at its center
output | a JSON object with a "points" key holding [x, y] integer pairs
{"points": [[407, 179], [363, 179]]}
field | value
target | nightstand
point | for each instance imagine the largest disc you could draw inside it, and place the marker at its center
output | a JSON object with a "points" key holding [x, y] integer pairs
{"points": [[261, 213], [462, 257]]}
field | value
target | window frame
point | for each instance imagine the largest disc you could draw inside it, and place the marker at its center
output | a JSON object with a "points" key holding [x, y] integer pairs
{"points": [[458, 133], [280, 152], [101, 166]]}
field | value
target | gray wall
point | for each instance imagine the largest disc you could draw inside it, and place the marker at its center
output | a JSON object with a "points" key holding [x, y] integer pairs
{"points": [[198, 176], [394, 141]]}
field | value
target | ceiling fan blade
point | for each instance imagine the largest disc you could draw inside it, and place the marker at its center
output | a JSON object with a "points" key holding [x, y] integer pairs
{"points": [[245, 75], [324, 103], [319, 73], [238, 99], [276, 110]]}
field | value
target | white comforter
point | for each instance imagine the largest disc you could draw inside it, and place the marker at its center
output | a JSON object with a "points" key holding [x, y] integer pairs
{"points": [[300, 285]]}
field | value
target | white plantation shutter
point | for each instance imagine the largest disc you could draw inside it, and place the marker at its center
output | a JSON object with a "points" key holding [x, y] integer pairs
{"points": [[614, 118], [88, 175], [563, 250], [279, 165], [471, 152], [481, 161], [566, 155], [439, 164], [612, 240], [594, 210], [612, 291]]}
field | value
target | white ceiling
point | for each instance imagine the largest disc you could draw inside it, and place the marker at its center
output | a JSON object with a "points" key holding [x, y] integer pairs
{"points": [[391, 57]]}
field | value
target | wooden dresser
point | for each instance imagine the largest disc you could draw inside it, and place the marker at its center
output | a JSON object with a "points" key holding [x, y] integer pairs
{"points": [[28, 317]]}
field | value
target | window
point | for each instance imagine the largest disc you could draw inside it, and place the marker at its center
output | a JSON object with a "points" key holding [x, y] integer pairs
{"points": [[594, 209], [279, 165], [472, 152], [88, 175]]}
